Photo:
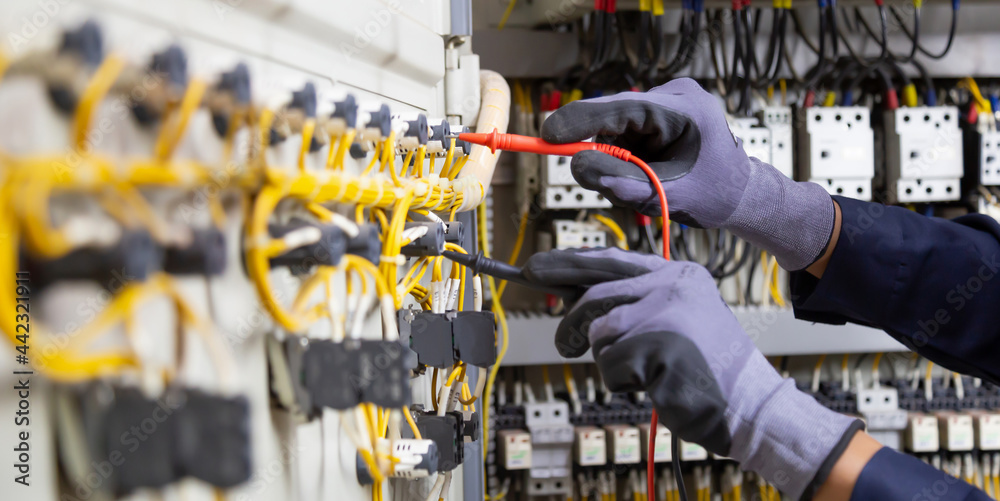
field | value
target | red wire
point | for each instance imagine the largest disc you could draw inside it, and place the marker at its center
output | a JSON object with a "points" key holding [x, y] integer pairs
{"points": [[655, 420], [513, 142]]}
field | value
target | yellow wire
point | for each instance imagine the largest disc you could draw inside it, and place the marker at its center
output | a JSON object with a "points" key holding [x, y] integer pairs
{"points": [[506, 14], [169, 137], [501, 320], [308, 127], [522, 227], [92, 96], [615, 229]]}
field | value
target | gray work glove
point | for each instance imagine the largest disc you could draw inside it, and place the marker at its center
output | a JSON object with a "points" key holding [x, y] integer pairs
{"points": [[681, 132], [662, 327]]}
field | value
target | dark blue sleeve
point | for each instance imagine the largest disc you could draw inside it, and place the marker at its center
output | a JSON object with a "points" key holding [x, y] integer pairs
{"points": [[892, 475], [931, 283]]}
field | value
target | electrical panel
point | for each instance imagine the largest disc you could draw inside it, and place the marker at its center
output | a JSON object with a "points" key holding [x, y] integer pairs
{"points": [[923, 154], [837, 150]]}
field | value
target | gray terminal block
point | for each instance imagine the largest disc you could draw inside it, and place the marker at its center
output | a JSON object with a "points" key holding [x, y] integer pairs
{"points": [[383, 372], [474, 337], [326, 251], [454, 232], [430, 244], [328, 371], [430, 336]]}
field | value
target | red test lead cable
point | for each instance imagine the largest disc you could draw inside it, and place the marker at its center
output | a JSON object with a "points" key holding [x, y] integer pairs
{"points": [[524, 144]]}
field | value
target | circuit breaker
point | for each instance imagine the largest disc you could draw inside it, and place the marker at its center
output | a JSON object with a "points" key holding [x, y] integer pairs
{"points": [[989, 158], [778, 120], [923, 153], [837, 150], [756, 138]]}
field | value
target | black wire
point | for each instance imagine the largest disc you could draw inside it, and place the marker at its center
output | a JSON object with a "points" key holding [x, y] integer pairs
{"points": [[820, 68], [916, 34], [675, 453], [801, 32]]}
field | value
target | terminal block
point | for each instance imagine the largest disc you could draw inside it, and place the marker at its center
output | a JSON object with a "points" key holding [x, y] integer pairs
{"points": [[288, 386], [211, 438], [430, 243], [383, 372], [367, 244], [429, 336], [132, 258], [340, 375], [447, 433], [442, 339], [923, 153], [205, 254], [149, 461], [233, 88], [327, 371], [169, 67], [412, 459], [837, 150], [185, 433], [474, 337], [312, 244], [344, 116]]}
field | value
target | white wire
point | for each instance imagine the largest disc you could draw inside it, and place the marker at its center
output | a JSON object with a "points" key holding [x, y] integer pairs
{"points": [[477, 293]]}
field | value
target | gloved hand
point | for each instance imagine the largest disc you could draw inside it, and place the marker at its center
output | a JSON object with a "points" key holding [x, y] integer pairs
{"points": [[681, 132], [662, 327]]}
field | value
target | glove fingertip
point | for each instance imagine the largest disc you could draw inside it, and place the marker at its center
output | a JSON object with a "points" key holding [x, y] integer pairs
{"points": [[564, 125]]}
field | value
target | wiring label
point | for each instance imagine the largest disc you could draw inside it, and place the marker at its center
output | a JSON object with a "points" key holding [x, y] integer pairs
{"points": [[22, 452]]}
